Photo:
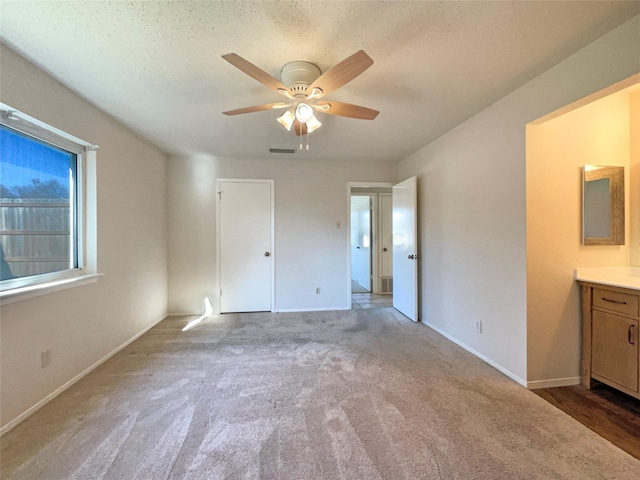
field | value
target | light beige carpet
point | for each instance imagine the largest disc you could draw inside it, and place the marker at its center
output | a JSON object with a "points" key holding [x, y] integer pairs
{"points": [[361, 394]]}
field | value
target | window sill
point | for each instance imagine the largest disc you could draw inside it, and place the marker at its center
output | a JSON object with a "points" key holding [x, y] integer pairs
{"points": [[32, 291]]}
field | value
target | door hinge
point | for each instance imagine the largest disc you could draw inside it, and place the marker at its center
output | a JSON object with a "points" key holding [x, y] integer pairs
{"points": [[220, 195]]}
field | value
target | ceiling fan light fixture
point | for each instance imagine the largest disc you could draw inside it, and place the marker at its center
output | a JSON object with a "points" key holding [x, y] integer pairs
{"points": [[286, 119], [313, 124], [304, 112]]}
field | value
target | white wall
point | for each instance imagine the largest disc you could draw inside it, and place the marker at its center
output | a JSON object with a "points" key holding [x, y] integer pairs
{"points": [[310, 197], [634, 158], [472, 201], [598, 134], [81, 325]]}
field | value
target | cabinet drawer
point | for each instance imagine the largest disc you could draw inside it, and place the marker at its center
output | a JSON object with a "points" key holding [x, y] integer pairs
{"points": [[618, 302]]}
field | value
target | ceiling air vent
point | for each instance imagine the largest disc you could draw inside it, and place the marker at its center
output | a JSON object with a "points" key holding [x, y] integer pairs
{"points": [[282, 150]]}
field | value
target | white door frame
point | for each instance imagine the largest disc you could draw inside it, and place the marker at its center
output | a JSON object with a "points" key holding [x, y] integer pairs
{"points": [[218, 243], [379, 233], [349, 185]]}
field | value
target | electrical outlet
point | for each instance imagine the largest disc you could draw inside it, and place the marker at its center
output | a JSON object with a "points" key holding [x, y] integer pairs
{"points": [[318, 291], [45, 358], [479, 326]]}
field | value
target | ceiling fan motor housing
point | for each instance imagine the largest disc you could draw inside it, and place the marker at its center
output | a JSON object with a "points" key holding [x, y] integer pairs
{"points": [[299, 75]]}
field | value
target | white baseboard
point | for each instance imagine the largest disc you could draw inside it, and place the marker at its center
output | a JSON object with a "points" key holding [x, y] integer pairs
{"points": [[279, 310], [553, 382], [321, 309], [75, 379], [495, 365]]}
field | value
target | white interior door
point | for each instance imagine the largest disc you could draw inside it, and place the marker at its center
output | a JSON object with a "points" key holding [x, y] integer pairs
{"points": [[405, 248], [245, 236]]}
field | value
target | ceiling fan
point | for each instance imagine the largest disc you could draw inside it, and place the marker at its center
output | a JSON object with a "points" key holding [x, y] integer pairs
{"points": [[304, 86]]}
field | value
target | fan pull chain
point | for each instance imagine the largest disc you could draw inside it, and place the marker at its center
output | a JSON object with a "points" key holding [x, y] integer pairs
{"points": [[301, 137]]}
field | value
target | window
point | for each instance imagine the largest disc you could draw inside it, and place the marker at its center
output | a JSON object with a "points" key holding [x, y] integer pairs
{"points": [[42, 200]]}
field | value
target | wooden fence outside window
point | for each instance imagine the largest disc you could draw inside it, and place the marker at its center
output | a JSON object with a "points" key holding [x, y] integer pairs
{"points": [[35, 235]]}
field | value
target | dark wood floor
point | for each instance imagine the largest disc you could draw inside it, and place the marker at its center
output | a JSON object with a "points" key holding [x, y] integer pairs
{"points": [[611, 414]]}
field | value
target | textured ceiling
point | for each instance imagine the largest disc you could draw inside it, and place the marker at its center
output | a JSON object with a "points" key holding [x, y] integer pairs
{"points": [[157, 66]]}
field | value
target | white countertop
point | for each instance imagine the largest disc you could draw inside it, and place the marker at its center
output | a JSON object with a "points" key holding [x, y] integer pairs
{"points": [[625, 277]]}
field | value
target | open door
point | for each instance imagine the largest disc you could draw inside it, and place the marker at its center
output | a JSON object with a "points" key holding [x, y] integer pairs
{"points": [[405, 248]]}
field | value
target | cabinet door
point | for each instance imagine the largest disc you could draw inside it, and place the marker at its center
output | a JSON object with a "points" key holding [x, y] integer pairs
{"points": [[614, 349]]}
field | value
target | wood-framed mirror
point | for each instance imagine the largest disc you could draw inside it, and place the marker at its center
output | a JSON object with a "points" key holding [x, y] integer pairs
{"points": [[602, 205]]}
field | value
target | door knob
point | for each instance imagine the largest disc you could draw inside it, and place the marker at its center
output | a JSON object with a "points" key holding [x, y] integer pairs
{"points": [[267, 254], [384, 249], [410, 257]]}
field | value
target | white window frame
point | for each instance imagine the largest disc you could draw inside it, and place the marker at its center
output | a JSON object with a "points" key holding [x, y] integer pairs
{"points": [[18, 289]]}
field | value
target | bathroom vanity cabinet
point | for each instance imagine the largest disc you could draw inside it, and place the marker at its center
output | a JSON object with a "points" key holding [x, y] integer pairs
{"points": [[610, 325]]}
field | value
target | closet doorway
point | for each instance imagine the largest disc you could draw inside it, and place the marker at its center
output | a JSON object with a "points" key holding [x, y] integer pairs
{"points": [[245, 241]]}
